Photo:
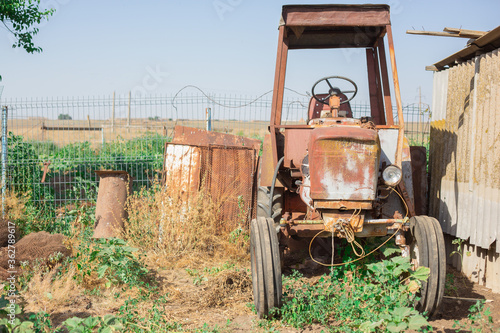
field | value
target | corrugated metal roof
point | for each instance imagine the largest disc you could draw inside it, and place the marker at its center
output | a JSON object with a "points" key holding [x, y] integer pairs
{"points": [[486, 43]]}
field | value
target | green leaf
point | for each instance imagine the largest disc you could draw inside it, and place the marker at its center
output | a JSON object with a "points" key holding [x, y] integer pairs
{"points": [[368, 326], [101, 271], [378, 268], [422, 273], [401, 327], [390, 250], [25, 327], [400, 260], [109, 319], [17, 309], [416, 322], [91, 322], [401, 313], [72, 323]]}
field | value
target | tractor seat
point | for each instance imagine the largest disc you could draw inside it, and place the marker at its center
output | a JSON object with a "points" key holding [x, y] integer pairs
{"points": [[316, 107]]}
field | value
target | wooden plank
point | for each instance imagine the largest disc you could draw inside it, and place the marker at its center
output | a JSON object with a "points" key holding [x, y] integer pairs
{"points": [[70, 128], [465, 31], [443, 34], [492, 37]]}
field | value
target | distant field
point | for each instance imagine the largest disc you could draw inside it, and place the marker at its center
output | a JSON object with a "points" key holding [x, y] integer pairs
{"points": [[63, 132]]}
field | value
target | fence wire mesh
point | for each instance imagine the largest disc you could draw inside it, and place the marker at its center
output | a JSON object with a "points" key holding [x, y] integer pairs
{"points": [[55, 145]]}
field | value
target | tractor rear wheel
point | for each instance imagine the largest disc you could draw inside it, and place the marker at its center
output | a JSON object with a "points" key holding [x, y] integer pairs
{"points": [[266, 266], [427, 249], [264, 200]]}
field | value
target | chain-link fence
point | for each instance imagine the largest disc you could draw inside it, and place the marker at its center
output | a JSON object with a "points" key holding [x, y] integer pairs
{"points": [[56, 144]]}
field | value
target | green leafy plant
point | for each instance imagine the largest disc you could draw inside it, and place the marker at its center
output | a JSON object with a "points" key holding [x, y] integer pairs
{"points": [[117, 264], [370, 297], [154, 320], [478, 320], [13, 319], [105, 324], [459, 243], [450, 287]]}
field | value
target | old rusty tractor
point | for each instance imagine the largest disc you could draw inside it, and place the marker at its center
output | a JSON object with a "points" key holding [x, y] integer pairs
{"points": [[335, 176]]}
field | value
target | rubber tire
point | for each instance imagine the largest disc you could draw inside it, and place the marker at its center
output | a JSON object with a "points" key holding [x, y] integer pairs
{"points": [[266, 266], [263, 197], [428, 241], [259, 292], [277, 262]]}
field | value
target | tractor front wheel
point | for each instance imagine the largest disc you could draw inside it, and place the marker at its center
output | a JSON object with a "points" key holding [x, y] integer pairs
{"points": [[428, 249], [266, 266]]}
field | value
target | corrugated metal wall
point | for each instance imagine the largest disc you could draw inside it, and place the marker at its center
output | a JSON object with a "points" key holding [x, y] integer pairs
{"points": [[465, 152]]}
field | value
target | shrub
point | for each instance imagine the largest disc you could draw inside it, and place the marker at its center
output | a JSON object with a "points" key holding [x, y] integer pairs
{"points": [[63, 116]]}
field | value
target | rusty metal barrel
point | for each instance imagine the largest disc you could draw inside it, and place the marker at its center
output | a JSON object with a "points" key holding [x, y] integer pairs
{"points": [[114, 189]]}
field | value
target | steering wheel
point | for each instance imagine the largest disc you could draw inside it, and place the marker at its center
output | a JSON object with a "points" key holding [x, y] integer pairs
{"points": [[334, 90]]}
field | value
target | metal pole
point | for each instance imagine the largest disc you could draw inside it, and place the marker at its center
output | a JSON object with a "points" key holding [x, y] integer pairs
{"points": [[4, 157], [208, 112], [128, 113], [113, 115], [421, 114]]}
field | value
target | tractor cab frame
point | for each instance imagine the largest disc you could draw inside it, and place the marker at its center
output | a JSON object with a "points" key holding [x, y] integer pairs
{"points": [[334, 175]]}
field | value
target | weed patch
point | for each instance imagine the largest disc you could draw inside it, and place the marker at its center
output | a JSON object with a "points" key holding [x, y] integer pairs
{"points": [[368, 298], [478, 320]]}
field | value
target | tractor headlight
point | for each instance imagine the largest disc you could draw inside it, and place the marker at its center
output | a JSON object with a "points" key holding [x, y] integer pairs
{"points": [[392, 175]]}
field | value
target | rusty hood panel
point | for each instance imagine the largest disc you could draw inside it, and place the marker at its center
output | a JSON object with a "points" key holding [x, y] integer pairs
{"points": [[344, 163]]}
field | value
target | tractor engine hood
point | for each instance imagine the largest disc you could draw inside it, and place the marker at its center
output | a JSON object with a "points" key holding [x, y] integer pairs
{"points": [[344, 163]]}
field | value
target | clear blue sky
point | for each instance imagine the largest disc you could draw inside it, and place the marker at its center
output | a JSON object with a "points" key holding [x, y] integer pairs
{"points": [[96, 47]]}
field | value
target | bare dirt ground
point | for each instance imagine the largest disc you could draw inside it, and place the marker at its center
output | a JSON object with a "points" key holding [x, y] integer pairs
{"points": [[223, 301]]}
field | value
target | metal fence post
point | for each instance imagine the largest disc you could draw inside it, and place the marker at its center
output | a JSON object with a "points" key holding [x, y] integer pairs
{"points": [[128, 111], [4, 157], [113, 114], [208, 112]]}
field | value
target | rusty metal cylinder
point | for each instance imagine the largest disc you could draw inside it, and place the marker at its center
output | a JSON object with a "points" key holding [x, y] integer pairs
{"points": [[110, 213]]}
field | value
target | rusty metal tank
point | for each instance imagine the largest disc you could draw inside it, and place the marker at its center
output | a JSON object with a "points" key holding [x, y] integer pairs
{"points": [[114, 189]]}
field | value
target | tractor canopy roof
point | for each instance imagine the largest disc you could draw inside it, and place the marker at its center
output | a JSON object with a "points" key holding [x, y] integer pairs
{"points": [[334, 26]]}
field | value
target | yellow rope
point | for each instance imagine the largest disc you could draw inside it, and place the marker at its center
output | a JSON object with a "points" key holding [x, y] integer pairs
{"points": [[351, 234]]}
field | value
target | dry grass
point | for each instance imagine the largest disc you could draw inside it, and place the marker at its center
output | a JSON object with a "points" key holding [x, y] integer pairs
{"points": [[228, 288], [15, 205], [177, 230], [45, 292]]}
